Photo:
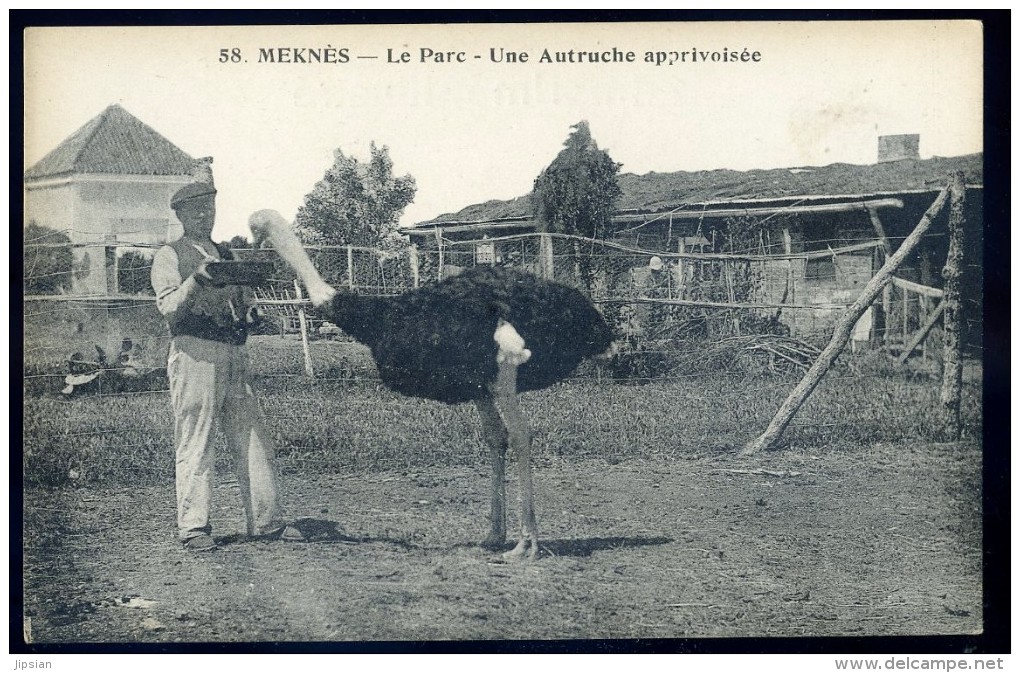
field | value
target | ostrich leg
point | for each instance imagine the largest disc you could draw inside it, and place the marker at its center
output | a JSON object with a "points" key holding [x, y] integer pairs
{"points": [[495, 435], [520, 441]]}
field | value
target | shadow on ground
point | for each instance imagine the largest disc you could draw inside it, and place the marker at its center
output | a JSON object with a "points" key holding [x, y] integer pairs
{"points": [[587, 547], [319, 531]]}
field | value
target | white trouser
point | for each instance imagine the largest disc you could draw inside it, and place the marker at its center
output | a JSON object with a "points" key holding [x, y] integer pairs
{"points": [[209, 381]]}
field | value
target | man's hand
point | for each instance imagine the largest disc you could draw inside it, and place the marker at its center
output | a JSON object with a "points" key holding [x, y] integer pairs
{"points": [[202, 276]]}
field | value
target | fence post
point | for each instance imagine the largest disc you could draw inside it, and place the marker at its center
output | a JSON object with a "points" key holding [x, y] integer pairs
{"points": [[545, 253], [412, 259], [442, 248], [110, 263], [791, 283], [922, 312], [952, 373], [350, 267], [906, 316], [303, 324], [841, 333], [876, 222]]}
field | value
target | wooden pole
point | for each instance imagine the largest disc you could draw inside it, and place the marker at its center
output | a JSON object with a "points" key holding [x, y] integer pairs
{"points": [[923, 311], [545, 253], [905, 316], [853, 206], [876, 222], [917, 288], [791, 284], [112, 285], [350, 267], [578, 273], [441, 247], [303, 323], [841, 333], [920, 335], [952, 373]]}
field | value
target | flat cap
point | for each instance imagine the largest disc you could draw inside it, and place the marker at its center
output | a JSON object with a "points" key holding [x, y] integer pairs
{"points": [[193, 190]]}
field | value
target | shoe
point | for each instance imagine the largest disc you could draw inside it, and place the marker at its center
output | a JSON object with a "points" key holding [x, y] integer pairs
{"points": [[287, 534], [200, 543], [292, 534]]}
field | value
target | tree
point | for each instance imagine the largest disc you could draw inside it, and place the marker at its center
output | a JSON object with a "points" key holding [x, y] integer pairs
{"points": [[238, 243], [576, 194], [134, 270], [356, 204], [48, 260]]}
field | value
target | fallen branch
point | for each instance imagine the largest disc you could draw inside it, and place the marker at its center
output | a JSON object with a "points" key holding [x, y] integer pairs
{"points": [[770, 473], [700, 605], [794, 351]]}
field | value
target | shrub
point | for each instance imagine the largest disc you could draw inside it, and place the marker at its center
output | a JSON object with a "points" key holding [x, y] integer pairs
{"points": [[47, 260]]}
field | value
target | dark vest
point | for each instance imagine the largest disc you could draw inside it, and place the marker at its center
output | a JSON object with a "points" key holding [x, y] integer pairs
{"points": [[216, 313]]}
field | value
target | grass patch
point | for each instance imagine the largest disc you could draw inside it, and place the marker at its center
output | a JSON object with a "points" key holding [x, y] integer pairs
{"points": [[105, 439], [353, 424]]}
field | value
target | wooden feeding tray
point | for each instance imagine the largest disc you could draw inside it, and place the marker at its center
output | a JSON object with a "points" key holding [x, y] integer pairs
{"points": [[237, 272]]}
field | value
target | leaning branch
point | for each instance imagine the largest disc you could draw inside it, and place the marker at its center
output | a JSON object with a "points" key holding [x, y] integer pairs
{"points": [[841, 333]]}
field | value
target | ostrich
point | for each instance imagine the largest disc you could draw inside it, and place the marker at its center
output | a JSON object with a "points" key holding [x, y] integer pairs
{"points": [[481, 336]]}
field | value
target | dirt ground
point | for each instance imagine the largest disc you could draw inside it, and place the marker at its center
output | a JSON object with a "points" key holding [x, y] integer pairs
{"points": [[886, 542]]}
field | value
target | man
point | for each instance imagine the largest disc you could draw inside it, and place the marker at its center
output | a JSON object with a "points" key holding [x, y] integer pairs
{"points": [[208, 372]]}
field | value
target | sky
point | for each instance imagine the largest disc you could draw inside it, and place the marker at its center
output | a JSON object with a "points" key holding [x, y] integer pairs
{"points": [[471, 126]]}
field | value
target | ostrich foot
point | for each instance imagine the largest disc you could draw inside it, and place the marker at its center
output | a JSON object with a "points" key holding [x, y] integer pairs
{"points": [[525, 551]]}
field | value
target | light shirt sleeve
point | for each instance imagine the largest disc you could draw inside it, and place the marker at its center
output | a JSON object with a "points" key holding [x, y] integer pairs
{"points": [[172, 292]]}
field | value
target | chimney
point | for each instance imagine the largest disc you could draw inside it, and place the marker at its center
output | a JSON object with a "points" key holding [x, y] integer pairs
{"points": [[895, 148]]}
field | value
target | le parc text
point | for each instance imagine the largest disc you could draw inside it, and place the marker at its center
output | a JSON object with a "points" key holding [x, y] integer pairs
{"points": [[501, 55]]}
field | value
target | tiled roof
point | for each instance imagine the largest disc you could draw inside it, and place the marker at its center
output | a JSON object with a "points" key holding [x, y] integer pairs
{"points": [[115, 142], [666, 191]]}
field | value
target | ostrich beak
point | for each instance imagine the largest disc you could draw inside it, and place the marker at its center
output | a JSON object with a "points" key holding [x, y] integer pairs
{"points": [[259, 238]]}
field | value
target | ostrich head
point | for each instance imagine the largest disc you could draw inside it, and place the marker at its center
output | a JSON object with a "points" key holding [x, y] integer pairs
{"points": [[262, 223], [269, 225]]}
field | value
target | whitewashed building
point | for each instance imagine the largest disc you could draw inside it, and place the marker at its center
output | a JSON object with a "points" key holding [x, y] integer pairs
{"points": [[106, 186]]}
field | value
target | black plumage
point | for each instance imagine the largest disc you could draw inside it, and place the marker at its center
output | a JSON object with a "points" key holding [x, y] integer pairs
{"points": [[437, 342]]}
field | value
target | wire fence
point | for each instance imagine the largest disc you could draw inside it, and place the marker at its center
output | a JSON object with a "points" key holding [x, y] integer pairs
{"points": [[764, 302]]}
